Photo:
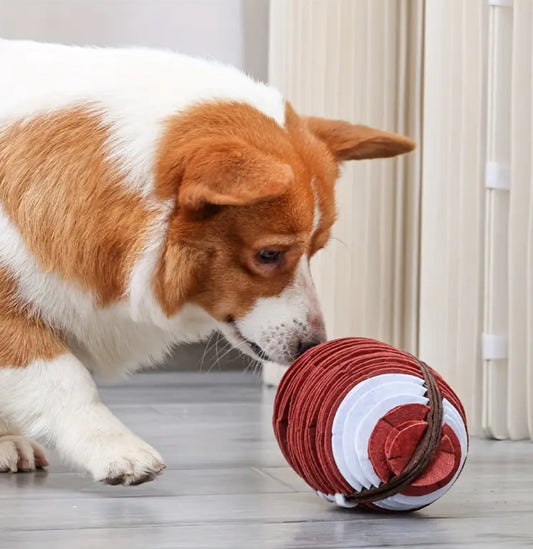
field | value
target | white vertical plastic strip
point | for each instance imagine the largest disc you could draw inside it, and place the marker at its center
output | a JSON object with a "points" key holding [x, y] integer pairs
{"points": [[495, 396], [453, 189], [521, 121]]}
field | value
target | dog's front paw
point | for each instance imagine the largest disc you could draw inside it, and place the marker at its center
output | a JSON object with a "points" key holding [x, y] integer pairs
{"points": [[18, 454], [128, 462]]}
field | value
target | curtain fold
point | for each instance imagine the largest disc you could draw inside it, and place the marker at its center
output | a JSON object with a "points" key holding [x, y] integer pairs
{"points": [[454, 156], [520, 374]]}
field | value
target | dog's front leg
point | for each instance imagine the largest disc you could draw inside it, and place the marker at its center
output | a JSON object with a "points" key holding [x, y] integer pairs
{"points": [[57, 402], [18, 453]]}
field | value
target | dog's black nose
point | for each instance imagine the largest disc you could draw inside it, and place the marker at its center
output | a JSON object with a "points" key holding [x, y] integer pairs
{"points": [[304, 346]]}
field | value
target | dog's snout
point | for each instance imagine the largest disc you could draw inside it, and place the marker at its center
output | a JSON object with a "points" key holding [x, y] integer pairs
{"points": [[304, 346], [316, 321]]}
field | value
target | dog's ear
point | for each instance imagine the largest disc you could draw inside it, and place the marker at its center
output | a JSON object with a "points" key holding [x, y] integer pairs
{"points": [[229, 172], [352, 142]]}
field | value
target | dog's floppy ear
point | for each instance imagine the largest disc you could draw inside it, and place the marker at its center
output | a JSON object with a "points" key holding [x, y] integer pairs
{"points": [[352, 142], [229, 172]]}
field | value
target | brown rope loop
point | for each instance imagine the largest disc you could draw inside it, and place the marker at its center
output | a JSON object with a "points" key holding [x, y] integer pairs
{"points": [[424, 451]]}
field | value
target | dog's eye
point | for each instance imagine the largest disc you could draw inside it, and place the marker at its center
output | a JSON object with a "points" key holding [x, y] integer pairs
{"points": [[269, 256]]}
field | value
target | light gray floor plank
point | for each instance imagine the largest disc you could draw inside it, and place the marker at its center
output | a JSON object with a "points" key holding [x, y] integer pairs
{"points": [[227, 486]]}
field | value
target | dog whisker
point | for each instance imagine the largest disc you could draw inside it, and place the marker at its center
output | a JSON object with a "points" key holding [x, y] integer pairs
{"points": [[207, 347]]}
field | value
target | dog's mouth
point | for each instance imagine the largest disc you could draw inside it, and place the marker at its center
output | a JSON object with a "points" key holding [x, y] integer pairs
{"points": [[254, 349]]}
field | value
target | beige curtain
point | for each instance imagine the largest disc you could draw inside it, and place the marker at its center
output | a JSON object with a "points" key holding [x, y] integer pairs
{"points": [[360, 60], [455, 283]]}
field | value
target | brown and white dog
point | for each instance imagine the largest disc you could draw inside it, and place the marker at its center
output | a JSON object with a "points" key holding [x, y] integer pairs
{"points": [[147, 199]]}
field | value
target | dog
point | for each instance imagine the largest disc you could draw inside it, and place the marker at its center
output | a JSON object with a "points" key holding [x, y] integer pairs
{"points": [[146, 199]]}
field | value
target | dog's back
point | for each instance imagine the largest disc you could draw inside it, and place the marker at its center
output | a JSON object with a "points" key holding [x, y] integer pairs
{"points": [[135, 86]]}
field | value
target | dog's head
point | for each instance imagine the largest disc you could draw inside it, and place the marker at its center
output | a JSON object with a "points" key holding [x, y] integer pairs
{"points": [[255, 201]]}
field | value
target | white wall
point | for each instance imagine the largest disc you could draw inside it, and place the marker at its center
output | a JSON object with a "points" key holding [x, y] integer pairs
{"points": [[233, 31]]}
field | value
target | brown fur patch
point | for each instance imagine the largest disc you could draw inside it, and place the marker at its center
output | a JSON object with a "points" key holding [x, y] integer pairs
{"points": [[68, 201], [209, 257], [23, 338]]}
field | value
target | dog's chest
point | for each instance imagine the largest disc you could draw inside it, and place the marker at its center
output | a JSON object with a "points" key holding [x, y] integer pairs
{"points": [[110, 343]]}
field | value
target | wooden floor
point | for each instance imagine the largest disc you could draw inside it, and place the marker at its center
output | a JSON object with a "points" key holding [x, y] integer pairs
{"points": [[227, 486]]}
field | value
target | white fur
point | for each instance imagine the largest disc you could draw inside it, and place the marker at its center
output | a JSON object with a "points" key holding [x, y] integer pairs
{"points": [[57, 401], [317, 214], [143, 304], [280, 324]]}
